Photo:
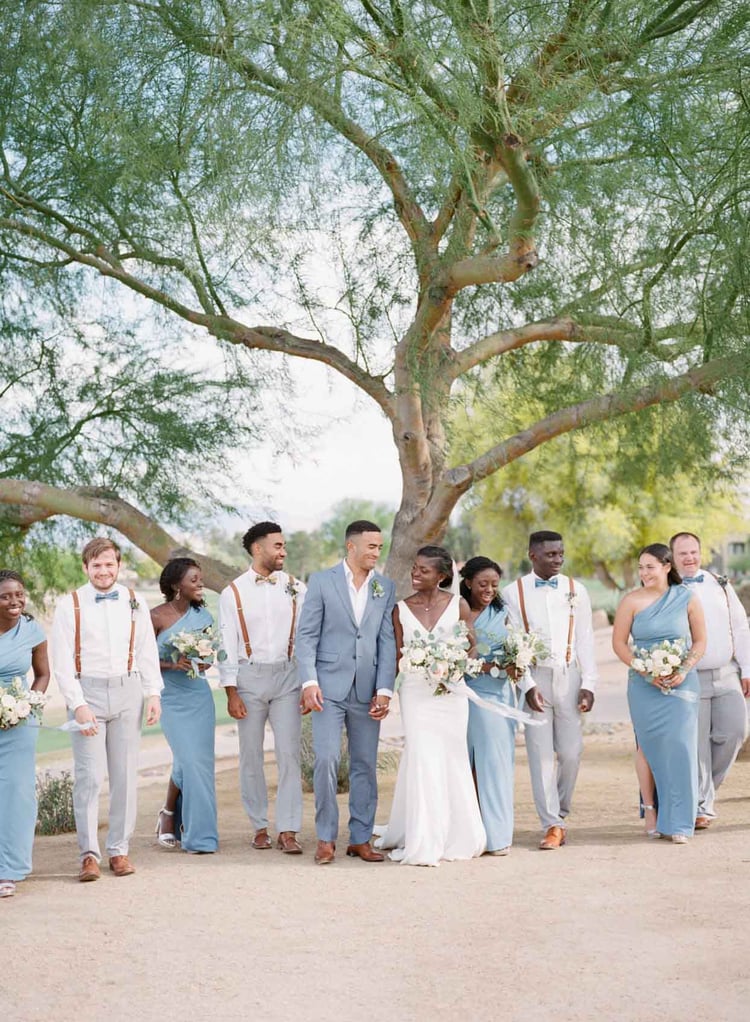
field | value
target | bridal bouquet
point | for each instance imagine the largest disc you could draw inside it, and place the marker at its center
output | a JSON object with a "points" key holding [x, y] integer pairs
{"points": [[200, 648], [660, 660], [19, 705], [442, 661], [518, 650]]}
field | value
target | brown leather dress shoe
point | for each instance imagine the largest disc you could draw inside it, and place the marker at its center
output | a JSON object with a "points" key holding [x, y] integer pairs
{"points": [[365, 851], [121, 866], [89, 869], [703, 822], [287, 842], [325, 852], [261, 841], [554, 838]]}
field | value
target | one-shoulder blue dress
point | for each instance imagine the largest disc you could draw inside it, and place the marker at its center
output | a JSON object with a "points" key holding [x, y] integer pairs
{"points": [[17, 758], [666, 726], [492, 739], [188, 719]]}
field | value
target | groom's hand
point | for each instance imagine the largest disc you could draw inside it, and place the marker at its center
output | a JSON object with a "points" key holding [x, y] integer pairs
{"points": [[379, 706], [312, 699]]}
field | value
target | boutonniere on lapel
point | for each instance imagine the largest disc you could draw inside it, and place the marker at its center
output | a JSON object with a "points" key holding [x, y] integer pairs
{"points": [[292, 587], [134, 604], [376, 589], [722, 580], [572, 599]]}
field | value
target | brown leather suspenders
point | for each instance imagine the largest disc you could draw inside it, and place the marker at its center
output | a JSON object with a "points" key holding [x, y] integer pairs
{"points": [[77, 638], [571, 616], [243, 623]]}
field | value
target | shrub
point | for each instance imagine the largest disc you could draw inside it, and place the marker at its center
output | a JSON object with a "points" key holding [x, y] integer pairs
{"points": [[54, 794]]}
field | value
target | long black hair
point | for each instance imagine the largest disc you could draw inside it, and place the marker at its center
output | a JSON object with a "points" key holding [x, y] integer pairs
{"points": [[173, 573], [472, 567], [663, 555]]}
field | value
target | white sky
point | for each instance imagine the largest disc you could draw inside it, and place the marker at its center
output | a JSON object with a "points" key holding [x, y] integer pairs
{"points": [[349, 454]]}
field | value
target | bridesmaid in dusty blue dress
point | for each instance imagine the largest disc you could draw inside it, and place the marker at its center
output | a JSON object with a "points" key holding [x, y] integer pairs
{"points": [[22, 646], [664, 715], [188, 716], [492, 739]]}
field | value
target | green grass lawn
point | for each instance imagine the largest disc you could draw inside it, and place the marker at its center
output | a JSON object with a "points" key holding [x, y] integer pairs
{"points": [[54, 741]]}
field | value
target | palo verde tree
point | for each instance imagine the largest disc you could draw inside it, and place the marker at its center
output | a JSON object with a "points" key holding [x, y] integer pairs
{"points": [[414, 194]]}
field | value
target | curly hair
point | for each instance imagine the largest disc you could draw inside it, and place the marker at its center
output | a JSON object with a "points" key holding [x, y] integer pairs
{"points": [[8, 575], [173, 573], [472, 567]]}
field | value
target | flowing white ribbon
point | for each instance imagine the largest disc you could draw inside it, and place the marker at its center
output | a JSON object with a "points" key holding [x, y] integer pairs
{"points": [[687, 697], [501, 709]]}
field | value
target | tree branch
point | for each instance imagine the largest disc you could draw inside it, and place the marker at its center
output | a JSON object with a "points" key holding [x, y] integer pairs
{"points": [[35, 501]]}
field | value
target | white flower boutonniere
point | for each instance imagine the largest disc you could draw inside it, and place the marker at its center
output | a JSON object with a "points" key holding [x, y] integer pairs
{"points": [[572, 599], [377, 589], [292, 587], [722, 580], [134, 604]]}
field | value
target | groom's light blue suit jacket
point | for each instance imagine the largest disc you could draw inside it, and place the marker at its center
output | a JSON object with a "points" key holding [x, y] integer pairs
{"points": [[333, 650]]}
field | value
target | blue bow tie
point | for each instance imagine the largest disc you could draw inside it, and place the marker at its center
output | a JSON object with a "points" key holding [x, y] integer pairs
{"points": [[694, 578], [114, 595], [545, 582]]}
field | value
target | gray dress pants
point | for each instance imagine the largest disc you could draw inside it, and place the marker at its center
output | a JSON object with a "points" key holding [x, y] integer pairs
{"points": [[271, 692], [722, 728], [117, 703]]}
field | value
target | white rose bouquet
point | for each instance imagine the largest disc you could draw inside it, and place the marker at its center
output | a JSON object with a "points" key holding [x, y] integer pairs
{"points": [[442, 661], [201, 648], [661, 660], [517, 651], [18, 704]]}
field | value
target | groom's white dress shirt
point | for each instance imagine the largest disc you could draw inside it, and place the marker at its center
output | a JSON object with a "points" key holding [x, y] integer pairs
{"points": [[725, 618], [267, 609], [105, 641]]}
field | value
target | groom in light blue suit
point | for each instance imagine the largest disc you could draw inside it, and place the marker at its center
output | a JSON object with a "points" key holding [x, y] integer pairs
{"points": [[346, 654]]}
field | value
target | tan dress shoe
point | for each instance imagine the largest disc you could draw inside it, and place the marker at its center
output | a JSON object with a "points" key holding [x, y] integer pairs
{"points": [[89, 869], [365, 851], [121, 866], [703, 822], [287, 842], [554, 838], [325, 852], [261, 841]]}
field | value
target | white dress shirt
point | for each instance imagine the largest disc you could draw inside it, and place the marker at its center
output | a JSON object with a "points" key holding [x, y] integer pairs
{"points": [[725, 616], [548, 614], [267, 610], [105, 642]]}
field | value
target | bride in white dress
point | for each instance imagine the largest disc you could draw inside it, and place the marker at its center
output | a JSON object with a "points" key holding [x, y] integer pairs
{"points": [[435, 813]]}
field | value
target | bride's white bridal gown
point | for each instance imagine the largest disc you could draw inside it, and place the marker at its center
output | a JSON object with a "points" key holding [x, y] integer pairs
{"points": [[435, 814]]}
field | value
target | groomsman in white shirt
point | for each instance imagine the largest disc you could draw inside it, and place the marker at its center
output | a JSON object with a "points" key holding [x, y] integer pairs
{"points": [[561, 687], [724, 673], [258, 615], [106, 664]]}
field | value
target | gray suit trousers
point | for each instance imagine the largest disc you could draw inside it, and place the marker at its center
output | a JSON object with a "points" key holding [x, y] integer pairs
{"points": [[117, 703], [271, 692], [554, 750], [722, 728]]}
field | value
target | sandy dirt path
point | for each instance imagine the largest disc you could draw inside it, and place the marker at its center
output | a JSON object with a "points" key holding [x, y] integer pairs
{"points": [[613, 926]]}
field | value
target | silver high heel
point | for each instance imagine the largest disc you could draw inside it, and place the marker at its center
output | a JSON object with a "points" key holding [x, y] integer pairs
{"points": [[165, 840], [652, 833]]}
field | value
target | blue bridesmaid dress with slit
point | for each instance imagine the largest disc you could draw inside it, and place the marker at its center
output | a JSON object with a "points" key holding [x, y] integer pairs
{"points": [[188, 719], [492, 739], [17, 758], [666, 726]]}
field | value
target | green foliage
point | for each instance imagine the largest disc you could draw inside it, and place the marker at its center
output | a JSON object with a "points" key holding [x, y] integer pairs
{"points": [[54, 794]]}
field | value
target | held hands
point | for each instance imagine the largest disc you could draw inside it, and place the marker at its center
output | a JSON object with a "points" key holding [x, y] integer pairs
{"points": [[311, 700], [153, 710], [745, 682], [84, 715], [379, 706]]}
